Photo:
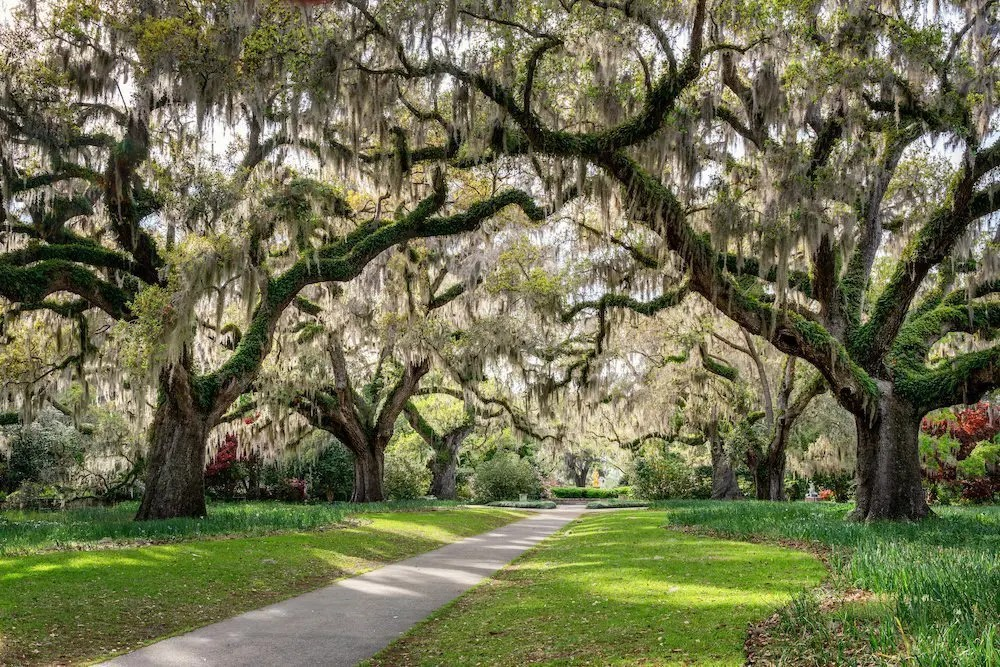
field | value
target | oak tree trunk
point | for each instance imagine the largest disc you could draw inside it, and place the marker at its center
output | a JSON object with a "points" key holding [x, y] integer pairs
{"points": [[724, 486], [762, 479], [444, 469], [888, 470], [773, 476], [776, 481], [443, 478], [369, 466], [175, 478]]}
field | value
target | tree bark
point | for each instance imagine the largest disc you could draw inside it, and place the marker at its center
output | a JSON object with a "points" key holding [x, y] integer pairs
{"points": [[444, 471], [443, 477], [776, 471], [175, 477], [769, 475], [444, 464], [761, 478], [724, 486], [888, 470], [580, 470], [369, 465]]}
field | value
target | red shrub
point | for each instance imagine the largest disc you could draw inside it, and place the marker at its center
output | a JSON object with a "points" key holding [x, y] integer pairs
{"points": [[970, 426]]}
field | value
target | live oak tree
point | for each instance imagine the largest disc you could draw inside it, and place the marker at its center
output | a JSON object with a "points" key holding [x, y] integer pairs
{"points": [[445, 437], [486, 407], [236, 237], [74, 251], [779, 406], [775, 151], [354, 368], [578, 462]]}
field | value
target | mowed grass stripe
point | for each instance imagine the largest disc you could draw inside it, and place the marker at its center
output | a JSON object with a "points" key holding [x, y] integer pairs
{"points": [[71, 607], [614, 589]]}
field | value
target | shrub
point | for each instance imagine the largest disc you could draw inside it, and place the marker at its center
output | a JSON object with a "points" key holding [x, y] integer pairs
{"points": [[331, 475], [664, 477], [229, 472], [505, 477], [841, 483], [960, 455], [33, 495], [323, 463], [525, 504], [46, 451], [292, 490], [796, 488], [406, 476]]}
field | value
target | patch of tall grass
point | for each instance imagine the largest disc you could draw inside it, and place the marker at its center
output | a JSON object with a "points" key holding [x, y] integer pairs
{"points": [[940, 579], [26, 532]]}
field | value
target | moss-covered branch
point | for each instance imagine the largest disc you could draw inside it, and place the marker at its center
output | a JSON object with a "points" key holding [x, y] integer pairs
{"points": [[614, 301], [87, 254], [127, 202], [961, 379], [717, 366], [791, 331], [931, 245], [32, 284], [421, 425], [750, 266], [343, 261], [399, 396]]}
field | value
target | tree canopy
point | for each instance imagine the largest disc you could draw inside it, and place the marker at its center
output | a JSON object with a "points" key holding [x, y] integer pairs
{"points": [[193, 187]]}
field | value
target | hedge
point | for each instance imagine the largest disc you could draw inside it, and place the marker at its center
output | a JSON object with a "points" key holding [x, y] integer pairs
{"points": [[611, 504], [589, 492], [525, 504]]}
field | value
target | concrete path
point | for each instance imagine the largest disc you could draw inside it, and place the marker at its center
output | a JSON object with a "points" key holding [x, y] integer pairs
{"points": [[355, 618]]}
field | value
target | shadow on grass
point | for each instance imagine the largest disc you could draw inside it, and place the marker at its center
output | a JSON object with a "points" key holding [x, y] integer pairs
{"points": [[66, 606], [938, 580], [25, 532], [614, 589]]}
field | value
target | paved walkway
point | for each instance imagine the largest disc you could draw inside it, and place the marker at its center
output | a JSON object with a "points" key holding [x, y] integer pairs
{"points": [[355, 618]]}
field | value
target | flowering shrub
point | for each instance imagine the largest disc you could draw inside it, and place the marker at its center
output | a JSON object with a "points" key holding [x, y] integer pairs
{"points": [[959, 454], [827, 494], [296, 490], [969, 426], [231, 472]]}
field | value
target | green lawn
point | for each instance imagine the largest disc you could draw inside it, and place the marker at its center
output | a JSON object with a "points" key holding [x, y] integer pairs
{"points": [[936, 584], [614, 589], [30, 532], [74, 606]]}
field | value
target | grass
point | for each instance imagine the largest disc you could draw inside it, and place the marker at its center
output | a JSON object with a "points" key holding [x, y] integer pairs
{"points": [[936, 584], [74, 606], [613, 589], [30, 532]]}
